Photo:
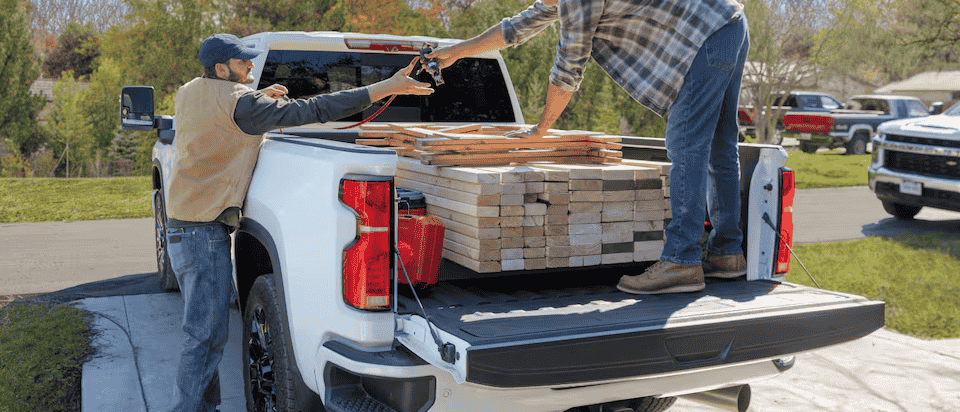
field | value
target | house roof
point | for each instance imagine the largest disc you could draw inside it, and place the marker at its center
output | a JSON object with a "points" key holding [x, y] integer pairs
{"points": [[43, 87], [931, 81]]}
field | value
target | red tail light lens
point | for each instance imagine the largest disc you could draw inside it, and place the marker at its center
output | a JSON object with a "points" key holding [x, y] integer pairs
{"points": [[806, 123], [787, 186], [367, 262], [744, 118]]}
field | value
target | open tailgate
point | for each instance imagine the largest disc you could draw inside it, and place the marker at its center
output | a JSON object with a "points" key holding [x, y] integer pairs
{"points": [[511, 335]]}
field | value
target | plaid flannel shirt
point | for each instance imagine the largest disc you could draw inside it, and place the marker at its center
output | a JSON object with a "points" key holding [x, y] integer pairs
{"points": [[645, 46]]}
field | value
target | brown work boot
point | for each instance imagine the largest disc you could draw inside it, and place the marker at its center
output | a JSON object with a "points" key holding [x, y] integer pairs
{"points": [[725, 266], [664, 277]]}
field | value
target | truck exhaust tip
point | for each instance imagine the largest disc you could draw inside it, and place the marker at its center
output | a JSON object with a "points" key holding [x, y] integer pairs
{"points": [[734, 398]]}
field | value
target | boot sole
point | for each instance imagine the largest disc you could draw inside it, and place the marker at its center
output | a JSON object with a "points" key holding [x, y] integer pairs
{"points": [[725, 275], [672, 289]]}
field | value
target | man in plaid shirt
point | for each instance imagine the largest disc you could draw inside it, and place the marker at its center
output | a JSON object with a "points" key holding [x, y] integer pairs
{"points": [[682, 57]]}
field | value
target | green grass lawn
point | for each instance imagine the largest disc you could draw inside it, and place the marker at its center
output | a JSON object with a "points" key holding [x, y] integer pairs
{"points": [[42, 352], [57, 199], [916, 275], [828, 169]]}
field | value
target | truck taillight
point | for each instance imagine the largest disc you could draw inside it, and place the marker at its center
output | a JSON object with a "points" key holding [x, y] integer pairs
{"points": [[367, 262], [787, 186], [807, 123]]}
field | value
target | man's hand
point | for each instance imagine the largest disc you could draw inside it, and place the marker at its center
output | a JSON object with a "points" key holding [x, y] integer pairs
{"points": [[533, 131], [445, 56], [275, 91], [400, 83]]}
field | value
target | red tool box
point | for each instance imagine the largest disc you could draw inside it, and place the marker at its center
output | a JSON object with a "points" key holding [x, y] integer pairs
{"points": [[420, 240]]}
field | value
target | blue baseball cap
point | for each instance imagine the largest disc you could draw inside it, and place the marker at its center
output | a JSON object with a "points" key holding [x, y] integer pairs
{"points": [[221, 47]]}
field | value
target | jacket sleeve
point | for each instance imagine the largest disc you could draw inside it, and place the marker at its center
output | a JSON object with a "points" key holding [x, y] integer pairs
{"points": [[257, 113]]}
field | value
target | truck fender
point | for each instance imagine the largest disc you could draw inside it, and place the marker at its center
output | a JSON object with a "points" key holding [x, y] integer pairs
{"points": [[858, 128], [256, 254]]}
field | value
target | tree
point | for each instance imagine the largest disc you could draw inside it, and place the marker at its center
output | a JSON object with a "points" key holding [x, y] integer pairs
{"points": [[253, 16], [18, 107], [51, 18], [76, 50], [782, 44], [383, 17], [159, 45], [933, 26], [54, 16], [72, 143]]}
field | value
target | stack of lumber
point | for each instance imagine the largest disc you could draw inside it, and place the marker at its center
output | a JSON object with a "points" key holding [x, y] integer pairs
{"points": [[537, 216], [478, 145]]}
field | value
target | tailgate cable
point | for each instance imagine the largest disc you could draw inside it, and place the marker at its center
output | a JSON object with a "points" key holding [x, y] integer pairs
{"points": [[766, 218], [448, 351]]}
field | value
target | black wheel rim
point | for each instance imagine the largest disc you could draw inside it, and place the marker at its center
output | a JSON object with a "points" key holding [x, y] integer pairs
{"points": [[260, 364], [160, 219]]}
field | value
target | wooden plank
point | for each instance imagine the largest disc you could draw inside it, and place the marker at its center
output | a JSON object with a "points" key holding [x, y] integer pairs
{"points": [[448, 193], [472, 264], [467, 128], [464, 174], [535, 264], [485, 255], [511, 156], [473, 188], [533, 254], [492, 244], [467, 230], [477, 222], [465, 208]]}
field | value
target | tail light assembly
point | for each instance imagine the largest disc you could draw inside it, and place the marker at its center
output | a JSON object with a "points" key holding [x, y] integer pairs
{"points": [[787, 189], [744, 118], [808, 123], [367, 261]]}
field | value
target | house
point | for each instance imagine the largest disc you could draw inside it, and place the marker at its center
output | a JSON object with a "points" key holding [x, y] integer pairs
{"points": [[44, 87], [931, 86]]}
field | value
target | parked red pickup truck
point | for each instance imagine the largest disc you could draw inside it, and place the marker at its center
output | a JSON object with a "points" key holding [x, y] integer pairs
{"points": [[788, 103]]}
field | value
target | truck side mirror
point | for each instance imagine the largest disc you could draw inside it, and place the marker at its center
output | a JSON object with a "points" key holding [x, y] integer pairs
{"points": [[936, 108], [136, 108]]}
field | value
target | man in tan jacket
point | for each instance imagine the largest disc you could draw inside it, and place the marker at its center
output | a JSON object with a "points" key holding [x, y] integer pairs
{"points": [[219, 127]]}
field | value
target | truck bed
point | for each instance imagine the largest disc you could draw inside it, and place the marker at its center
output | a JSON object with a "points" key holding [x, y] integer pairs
{"points": [[573, 325]]}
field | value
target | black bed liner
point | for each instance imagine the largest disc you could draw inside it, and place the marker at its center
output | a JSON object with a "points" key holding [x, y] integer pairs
{"points": [[573, 326]]}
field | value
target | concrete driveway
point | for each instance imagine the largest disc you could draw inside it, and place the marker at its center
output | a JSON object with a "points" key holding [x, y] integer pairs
{"points": [[885, 371]]}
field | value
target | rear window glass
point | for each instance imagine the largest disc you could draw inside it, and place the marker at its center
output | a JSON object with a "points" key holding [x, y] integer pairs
{"points": [[870, 104], [473, 91]]}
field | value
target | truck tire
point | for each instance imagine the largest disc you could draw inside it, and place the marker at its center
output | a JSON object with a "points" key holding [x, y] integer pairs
{"points": [[168, 281], [901, 211], [270, 379], [808, 147], [858, 144]]}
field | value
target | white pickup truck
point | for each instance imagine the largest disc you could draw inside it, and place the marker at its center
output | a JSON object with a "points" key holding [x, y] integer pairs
{"points": [[534, 340]]}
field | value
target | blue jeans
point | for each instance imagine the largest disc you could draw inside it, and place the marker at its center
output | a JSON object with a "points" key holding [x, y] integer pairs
{"points": [[200, 256], [701, 142]]}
